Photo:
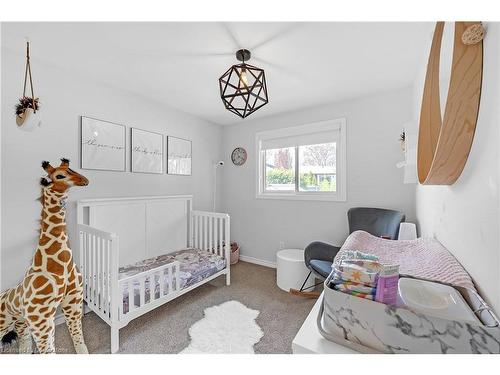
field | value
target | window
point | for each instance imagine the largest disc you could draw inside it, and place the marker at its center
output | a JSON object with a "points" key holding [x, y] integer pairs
{"points": [[317, 170], [280, 169], [304, 162]]}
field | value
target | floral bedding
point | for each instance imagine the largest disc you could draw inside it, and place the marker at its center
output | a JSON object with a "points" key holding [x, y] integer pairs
{"points": [[195, 265]]}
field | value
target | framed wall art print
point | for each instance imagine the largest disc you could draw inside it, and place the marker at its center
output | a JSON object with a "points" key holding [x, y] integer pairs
{"points": [[179, 156], [102, 145], [146, 151]]}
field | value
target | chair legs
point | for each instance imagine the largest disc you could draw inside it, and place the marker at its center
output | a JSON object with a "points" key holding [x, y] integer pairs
{"points": [[305, 281], [302, 292]]}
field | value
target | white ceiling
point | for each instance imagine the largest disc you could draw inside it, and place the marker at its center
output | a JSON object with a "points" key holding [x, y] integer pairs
{"points": [[179, 64]]}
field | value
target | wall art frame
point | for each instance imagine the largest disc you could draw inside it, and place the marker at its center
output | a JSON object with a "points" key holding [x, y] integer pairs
{"points": [[102, 145], [147, 153], [179, 156]]}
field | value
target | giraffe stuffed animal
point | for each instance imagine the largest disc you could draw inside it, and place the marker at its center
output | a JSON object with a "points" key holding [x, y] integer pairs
{"points": [[29, 309]]}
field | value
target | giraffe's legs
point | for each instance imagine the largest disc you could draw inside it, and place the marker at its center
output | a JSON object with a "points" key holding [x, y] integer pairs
{"points": [[6, 318], [72, 307], [43, 331], [8, 322], [24, 337]]}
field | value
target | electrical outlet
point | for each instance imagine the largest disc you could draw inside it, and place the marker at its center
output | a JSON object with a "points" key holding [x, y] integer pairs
{"points": [[282, 245]]}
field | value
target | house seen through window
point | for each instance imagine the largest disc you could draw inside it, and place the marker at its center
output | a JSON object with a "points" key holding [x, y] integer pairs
{"points": [[305, 162], [316, 168]]}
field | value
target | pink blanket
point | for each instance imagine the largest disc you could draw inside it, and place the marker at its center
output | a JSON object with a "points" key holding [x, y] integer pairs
{"points": [[423, 257]]}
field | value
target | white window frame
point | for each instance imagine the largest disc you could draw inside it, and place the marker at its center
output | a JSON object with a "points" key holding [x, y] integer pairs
{"points": [[341, 167]]}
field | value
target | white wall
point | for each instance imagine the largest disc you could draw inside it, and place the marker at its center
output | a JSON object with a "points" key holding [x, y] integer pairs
{"points": [[65, 97], [464, 217], [373, 126]]}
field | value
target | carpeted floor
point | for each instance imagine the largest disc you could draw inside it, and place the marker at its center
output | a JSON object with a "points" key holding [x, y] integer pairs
{"points": [[165, 329]]}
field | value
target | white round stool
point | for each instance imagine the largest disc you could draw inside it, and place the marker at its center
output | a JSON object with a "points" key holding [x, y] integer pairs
{"points": [[291, 270]]}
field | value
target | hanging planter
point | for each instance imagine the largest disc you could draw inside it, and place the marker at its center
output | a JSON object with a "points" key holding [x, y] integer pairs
{"points": [[27, 114], [27, 110]]}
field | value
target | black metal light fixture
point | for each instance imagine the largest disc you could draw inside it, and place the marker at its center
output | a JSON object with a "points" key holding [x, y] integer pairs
{"points": [[243, 87]]}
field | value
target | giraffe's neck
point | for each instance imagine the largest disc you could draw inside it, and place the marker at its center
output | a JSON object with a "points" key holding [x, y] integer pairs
{"points": [[53, 254]]}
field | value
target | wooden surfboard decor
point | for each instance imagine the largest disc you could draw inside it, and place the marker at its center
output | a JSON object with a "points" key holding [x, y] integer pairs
{"points": [[444, 145]]}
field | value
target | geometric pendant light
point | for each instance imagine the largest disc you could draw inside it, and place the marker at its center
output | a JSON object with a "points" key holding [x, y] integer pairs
{"points": [[243, 87]]}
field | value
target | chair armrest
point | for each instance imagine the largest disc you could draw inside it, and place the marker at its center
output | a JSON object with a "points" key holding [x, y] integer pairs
{"points": [[320, 250]]}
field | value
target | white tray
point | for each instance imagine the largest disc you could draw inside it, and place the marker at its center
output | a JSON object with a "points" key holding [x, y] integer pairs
{"points": [[434, 299]]}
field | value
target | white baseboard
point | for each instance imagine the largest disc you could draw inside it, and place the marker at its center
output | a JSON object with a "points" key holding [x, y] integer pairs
{"points": [[260, 262]]}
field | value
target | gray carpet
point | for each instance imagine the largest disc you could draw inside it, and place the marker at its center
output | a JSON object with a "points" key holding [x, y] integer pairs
{"points": [[165, 329]]}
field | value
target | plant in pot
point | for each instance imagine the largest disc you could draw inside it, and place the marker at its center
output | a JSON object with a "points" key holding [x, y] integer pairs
{"points": [[26, 111], [27, 116]]}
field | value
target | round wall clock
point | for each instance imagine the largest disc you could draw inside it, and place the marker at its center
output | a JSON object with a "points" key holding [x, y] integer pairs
{"points": [[239, 156]]}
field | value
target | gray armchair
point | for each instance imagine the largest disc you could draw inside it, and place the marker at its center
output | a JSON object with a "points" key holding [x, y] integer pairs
{"points": [[318, 256]]}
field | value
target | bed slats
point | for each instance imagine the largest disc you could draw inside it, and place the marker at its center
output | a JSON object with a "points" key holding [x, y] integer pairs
{"points": [[96, 268], [210, 232]]}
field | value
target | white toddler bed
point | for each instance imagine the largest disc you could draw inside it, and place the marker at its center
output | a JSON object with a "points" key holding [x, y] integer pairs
{"points": [[166, 249]]}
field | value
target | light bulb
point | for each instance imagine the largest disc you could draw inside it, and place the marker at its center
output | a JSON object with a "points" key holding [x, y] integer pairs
{"points": [[243, 77]]}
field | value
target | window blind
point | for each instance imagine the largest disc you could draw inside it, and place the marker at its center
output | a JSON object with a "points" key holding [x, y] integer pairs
{"points": [[313, 138]]}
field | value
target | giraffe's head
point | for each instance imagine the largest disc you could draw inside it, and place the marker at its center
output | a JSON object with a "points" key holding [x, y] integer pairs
{"points": [[62, 177]]}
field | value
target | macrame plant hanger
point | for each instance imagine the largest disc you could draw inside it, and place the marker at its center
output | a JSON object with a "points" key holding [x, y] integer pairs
{"points": [[27, 73], [27, 117]]}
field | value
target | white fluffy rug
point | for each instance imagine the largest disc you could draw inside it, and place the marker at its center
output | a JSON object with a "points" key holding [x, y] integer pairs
{"points": [[227, 328]]}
